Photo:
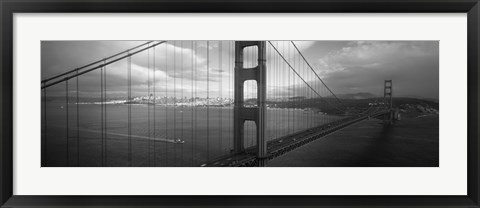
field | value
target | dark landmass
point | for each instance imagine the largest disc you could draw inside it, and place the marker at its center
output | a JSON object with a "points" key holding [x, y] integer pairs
{"points": [[331, 105], [360, 95]]}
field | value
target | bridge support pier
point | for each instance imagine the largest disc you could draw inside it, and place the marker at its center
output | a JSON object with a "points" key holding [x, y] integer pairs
{"points": [[242, 113]]}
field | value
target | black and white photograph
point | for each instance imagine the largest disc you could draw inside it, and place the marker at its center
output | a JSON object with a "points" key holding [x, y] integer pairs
{"points": [[237, 103]]}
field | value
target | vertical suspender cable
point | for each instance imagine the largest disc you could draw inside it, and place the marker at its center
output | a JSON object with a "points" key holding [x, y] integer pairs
{"points": [[304, 93], [314, 106], [166, 104], [101, 117], [129, 110], [295, 100], [276, 92], [286, 78], [325, 116], [78, 125], [174, 104], [182, 100], [196, 95], [273, 69], [268, 97], [193, 54], [154, 111], [294, 92], [208, 101], [308, 101], [276, 71], [279, 93], [270, 82], [289, 95], [104, 117], [279, 77], [220, 95], [148, 109], [300, 93], [66, 101], [310, 107], [105, 112], [230, 69], [45, 126]]}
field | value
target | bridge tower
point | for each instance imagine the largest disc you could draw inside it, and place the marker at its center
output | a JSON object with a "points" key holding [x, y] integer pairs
{"points": [[242, 113], [387, 93], [388, 101]]}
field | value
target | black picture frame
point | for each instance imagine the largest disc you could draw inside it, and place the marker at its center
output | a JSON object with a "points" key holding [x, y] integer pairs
{"points": [[9, 7]]}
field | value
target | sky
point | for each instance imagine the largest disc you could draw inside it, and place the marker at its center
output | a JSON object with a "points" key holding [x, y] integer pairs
{"points": [[188, 69]]}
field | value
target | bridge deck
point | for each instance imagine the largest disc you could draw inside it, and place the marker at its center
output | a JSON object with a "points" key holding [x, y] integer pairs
{"points": [[288, 143], [411, 142]]}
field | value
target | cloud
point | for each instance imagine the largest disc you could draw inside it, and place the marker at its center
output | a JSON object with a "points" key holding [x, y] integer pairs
{"points": [[304, 45], [363, 65], [345, 66]]}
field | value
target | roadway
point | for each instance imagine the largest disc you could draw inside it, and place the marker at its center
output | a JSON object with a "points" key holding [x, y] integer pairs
{"points": [[411, 142]]}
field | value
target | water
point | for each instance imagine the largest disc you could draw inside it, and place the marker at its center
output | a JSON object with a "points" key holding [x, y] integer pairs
{"points": [[203, 137]]}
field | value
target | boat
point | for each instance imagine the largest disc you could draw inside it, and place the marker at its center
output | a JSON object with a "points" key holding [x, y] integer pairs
{"points": [[179, 141]]}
